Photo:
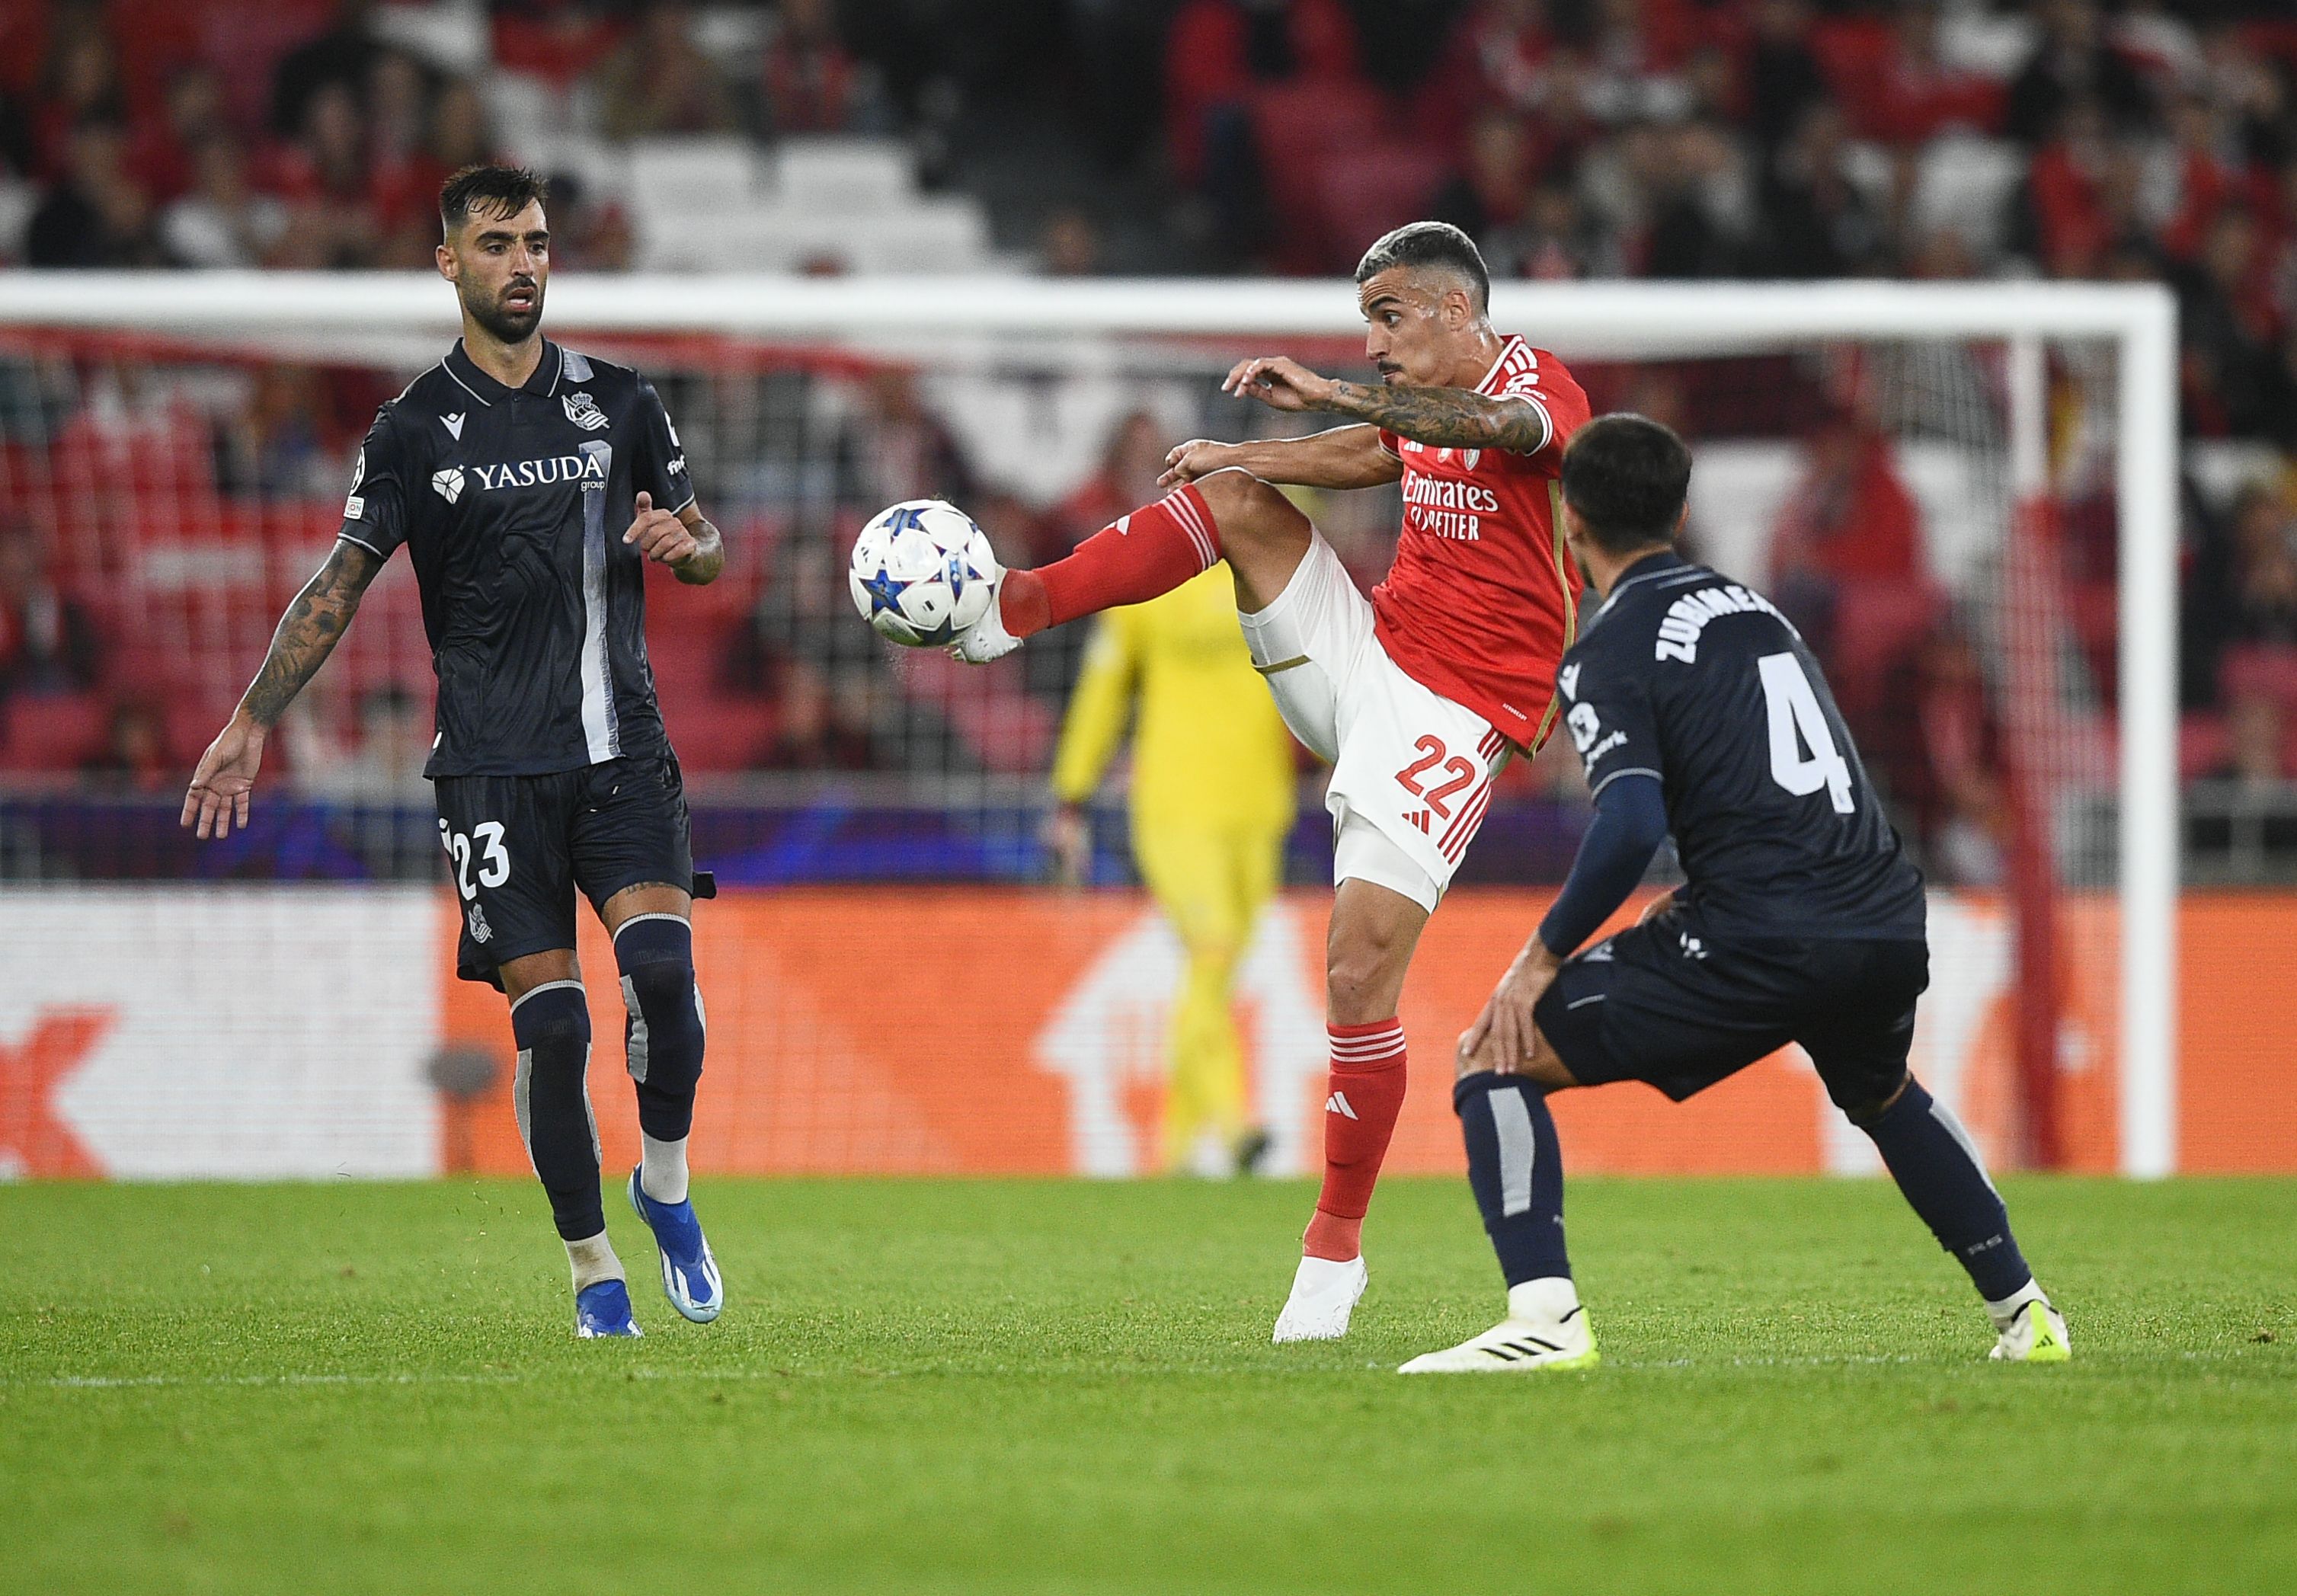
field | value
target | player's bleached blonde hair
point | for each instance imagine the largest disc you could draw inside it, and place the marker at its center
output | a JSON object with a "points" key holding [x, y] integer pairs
{"points": [[1438, 244]]}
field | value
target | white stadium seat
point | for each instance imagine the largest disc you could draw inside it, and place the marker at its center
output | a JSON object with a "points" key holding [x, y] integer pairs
{"points": [[931, 236], [692, 177], [926, 237], [850, 175]]}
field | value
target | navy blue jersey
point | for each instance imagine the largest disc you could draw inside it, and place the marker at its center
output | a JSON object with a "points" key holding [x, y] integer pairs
{"points": [[1689, 677], [512, 504]]}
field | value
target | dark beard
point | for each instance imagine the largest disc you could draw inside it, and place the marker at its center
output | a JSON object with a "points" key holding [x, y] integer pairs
{"points": [[509, 326]]}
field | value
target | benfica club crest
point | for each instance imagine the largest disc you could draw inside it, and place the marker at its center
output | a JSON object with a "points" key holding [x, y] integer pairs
{"points": [[583, 411]]}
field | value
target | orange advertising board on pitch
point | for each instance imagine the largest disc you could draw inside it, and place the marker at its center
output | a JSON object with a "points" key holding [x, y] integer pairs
{"points": [[998, 1032]]}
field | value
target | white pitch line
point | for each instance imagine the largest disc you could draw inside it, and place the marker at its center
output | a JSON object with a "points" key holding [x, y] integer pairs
{"points": [[531, 1377]]}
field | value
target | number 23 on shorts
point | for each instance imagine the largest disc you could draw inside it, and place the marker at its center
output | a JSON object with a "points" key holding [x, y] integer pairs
{"points": [[493, 858]]}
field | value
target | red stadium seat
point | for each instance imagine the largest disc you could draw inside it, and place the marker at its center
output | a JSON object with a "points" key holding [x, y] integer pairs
{"points": [[245, 44], [687, 651], [1299, 127], [719, 733], [1367, 191], [1876, 625], [43, 733], [2202, 745], [2260, 670], [192, 722]]}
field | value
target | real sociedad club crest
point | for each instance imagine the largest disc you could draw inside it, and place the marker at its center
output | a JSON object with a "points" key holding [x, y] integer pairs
{"points": [[583, 411]]}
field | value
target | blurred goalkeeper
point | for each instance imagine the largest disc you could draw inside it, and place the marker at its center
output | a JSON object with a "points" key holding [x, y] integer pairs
{"points": [[531, 485], [1211, 803]]}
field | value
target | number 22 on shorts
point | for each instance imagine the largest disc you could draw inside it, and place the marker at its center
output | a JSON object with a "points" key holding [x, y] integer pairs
{"points": [[1432, 753]]}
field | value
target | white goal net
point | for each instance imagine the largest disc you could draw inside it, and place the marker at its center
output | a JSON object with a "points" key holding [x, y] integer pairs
{"points": [[1964, 494]]}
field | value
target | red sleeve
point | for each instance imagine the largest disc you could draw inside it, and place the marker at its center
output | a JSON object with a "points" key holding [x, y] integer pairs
{"points": [[1568, 407], [1559, 398]]}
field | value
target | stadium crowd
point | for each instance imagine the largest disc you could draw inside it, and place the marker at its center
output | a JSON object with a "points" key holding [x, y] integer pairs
{"points": [[2154, 139]]}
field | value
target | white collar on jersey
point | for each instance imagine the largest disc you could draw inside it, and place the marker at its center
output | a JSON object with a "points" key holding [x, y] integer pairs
{"points": [[1508, 343], [1645, 572]]}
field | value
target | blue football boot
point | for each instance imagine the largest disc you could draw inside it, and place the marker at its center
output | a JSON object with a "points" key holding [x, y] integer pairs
{"points": [[689, 1272], [603, 1308]]}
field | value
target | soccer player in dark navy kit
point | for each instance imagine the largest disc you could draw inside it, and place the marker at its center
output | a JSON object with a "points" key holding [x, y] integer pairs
{"points": [[531, 485], [1699, 713]]}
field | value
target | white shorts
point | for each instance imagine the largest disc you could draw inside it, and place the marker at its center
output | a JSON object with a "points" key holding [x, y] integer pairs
{"points": [[1411, 769]]}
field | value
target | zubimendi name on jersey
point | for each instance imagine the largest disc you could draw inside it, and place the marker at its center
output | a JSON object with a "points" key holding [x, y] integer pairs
{"points": [[1687, 617]]}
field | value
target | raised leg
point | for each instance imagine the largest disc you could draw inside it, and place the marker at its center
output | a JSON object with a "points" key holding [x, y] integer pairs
{"points": [[1229, 514]]}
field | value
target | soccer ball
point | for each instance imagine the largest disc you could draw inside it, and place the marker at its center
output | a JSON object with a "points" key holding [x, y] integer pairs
{"points": [[922, 572]]}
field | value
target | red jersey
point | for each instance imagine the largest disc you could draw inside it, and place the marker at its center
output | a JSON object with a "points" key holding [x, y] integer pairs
{"points": [[1483, 598]]}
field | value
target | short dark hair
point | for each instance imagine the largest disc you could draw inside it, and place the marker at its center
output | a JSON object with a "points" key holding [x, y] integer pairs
{"points": [[1429, 243], [1625, 476], [489, 190]]}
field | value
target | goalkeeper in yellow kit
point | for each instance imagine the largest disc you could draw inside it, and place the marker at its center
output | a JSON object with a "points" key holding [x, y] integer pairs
{"points": [[1211, 803]]}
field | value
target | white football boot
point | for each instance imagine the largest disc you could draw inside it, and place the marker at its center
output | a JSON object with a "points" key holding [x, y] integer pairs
{"points": [[1323, 1295], [2028, 1329], [986, 639], [1545, 1328]]}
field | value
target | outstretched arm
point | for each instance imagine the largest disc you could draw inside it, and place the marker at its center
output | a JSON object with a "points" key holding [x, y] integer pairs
{"points": [[1343, 457], [307, 634], [1439, 417]]}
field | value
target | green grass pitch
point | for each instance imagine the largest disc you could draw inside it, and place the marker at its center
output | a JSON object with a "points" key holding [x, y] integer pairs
{"points": [[1058, 1386]]}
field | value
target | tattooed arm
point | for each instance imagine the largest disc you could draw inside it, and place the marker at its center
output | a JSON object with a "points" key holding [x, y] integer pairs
{"points": [[1439, 417], [307, 634]]}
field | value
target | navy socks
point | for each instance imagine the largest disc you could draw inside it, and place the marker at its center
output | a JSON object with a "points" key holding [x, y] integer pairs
{"points": [[552, 1026], [664, 1035], [1933, 1161], [1515, 1166]]}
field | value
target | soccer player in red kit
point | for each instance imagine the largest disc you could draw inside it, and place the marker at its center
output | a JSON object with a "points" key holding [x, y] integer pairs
{"points": [[1418, 695]]}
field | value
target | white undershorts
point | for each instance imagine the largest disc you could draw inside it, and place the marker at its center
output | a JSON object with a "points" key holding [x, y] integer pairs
{"points": [[1411, 769]]}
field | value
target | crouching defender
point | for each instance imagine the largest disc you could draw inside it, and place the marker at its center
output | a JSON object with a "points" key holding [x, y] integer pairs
{"points": [[508, 470], [1699, 713]]}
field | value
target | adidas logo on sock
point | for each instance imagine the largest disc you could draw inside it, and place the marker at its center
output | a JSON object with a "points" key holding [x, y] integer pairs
{"points": [[1337, 1103]]}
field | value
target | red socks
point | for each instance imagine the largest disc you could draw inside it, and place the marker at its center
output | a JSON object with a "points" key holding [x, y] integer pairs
{"points": [[1367, 1094], [1151, 551]]}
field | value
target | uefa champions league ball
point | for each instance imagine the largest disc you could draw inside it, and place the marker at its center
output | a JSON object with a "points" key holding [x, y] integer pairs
{"points": [[922, 572]]}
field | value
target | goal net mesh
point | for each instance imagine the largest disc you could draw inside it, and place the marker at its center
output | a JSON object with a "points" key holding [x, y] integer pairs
{"points": [[180, 489]]}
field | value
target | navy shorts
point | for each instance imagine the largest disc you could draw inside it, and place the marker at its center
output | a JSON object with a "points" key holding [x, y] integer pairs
{"points": [[1673, 1005], [518, 847]]}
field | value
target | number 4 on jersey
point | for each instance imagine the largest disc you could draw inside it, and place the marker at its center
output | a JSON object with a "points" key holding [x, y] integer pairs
{"points": [[1797, 721]]}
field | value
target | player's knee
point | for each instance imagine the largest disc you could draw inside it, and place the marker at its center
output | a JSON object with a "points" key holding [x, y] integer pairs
{"points": [[1864, 1096], [667, 1027], [1243, 505], [552, 1021], [1361, 974]]}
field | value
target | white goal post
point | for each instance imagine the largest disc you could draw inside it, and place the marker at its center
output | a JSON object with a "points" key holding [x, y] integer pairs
{"points": [[317, 314]]}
